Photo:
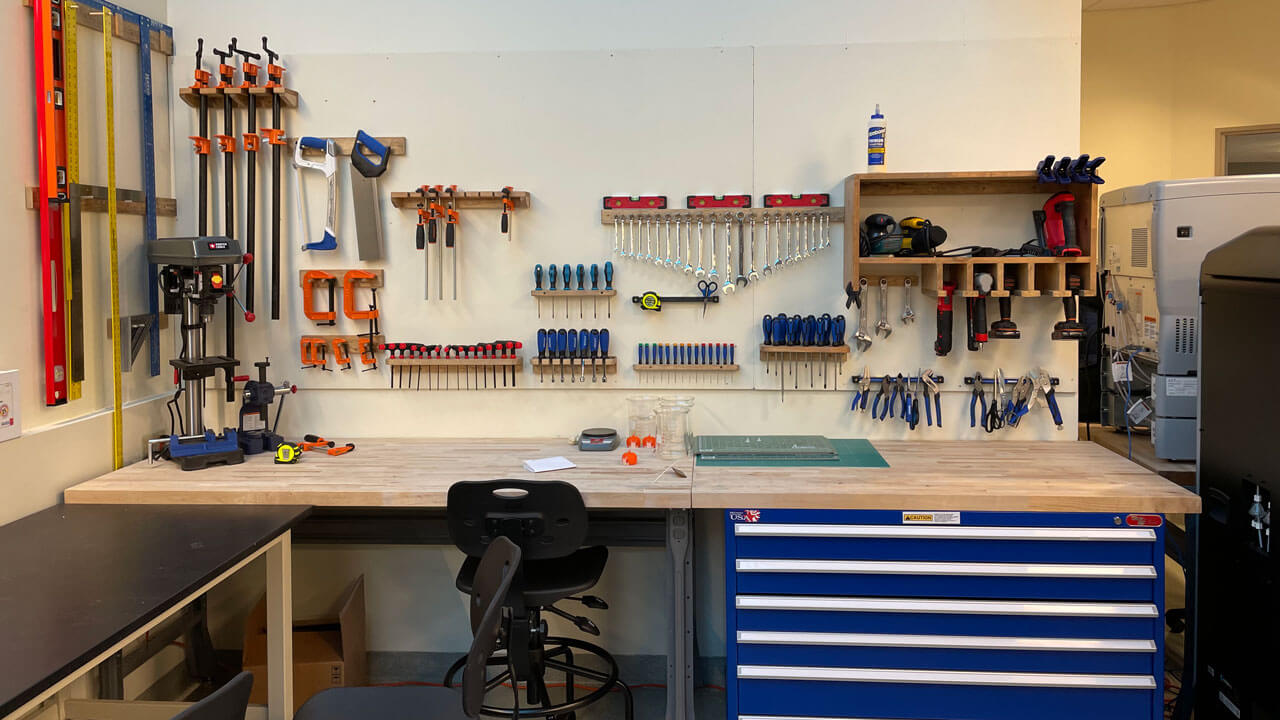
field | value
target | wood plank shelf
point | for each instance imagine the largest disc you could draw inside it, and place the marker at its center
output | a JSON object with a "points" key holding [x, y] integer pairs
{"points": [[828, 350], [465, 199], [573, 293], [685, 368], [396, 145], [1030, 276], [93, 198], [834, 214], [240, 97], [611, 361], [516, 361]]}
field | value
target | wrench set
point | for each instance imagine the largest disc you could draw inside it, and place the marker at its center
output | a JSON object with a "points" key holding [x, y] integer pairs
{"points": [[683, 362], [899, 397], [722, 238], [883, 328]]}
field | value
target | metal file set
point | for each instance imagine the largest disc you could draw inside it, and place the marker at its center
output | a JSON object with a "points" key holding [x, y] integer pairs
{"points": [[697, 362], [795, 344], [569, 354], [721, 237], [899, 397], [480, 366], [1011, 399], [560, 284]]}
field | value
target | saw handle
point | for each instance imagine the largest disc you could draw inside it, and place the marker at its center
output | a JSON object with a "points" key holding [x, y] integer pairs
{"points": [[361, 162]]}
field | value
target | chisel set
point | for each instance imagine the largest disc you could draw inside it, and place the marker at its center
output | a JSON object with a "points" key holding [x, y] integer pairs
{"points": [[721, 237], [560, 285], [453, 367], [899, 397], [797, 344], [570, 353], [1011, 399], [686, 362]]}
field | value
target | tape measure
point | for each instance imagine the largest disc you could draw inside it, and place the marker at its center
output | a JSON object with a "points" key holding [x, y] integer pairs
{"points": [[650, 301], [287, 454]]}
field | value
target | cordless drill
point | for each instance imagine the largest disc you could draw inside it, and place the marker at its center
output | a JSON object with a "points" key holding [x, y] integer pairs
{"points": [[1005, 328], [1070, 328], [942, 345]]}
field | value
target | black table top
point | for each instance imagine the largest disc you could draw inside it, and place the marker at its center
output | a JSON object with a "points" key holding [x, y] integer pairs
{"points": [[76, 579]]}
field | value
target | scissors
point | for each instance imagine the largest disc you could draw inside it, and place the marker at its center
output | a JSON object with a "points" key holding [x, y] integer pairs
{"points": [[707, 288]]}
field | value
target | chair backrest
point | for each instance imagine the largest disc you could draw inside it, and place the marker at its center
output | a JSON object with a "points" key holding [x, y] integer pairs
{"points": [[492, 582], [545, 518], [228, 702]]}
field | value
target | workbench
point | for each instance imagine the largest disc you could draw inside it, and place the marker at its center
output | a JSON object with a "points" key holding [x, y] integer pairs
{"points": [[393, 491]]}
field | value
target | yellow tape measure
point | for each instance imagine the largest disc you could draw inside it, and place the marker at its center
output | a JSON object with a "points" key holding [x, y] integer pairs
{"points": [[650, 301], [117, 393], [287, 454]]}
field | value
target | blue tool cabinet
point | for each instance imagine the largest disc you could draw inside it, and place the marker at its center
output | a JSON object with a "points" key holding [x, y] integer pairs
{"points": [[837, 614]]}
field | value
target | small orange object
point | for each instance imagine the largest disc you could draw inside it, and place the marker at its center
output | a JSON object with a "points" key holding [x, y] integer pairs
{"points": [[226, 143], [633, 441], [274, 136], [629, 458], [251, 142], [203, 144], [650, 441]]}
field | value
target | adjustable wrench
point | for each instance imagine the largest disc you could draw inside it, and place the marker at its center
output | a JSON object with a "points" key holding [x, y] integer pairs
{"points": [[862, 338], [883, 328], [700, 272], [753, 275], [908, 315]]}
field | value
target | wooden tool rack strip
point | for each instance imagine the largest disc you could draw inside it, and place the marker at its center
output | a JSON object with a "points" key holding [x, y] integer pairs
{"points": [[685, 368], [834, 214], [1034, 276], [611, 361], [464, 199], [516, 361], [93, 198], [240, 97], [397, 145], [831, 350], [573, 293]]}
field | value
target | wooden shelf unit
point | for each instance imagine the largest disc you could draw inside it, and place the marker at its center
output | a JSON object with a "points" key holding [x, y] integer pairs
{"points": [[1035, 276], [239, 96], [464, 199]]}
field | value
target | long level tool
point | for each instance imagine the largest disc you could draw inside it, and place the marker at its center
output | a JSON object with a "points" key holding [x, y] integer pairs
{"points": [[117, 393], [52, 187]]}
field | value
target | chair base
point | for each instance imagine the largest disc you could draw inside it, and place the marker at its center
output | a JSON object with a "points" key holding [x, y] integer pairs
{"points": [[553, 649]]}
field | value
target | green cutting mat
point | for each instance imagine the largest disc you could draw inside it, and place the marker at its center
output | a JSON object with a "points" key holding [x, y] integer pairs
{"points": [[856, 452]]}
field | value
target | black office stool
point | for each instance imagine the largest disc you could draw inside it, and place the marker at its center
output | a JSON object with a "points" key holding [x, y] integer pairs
{"points": [[493, 583], [228, 702], [548, 520]]}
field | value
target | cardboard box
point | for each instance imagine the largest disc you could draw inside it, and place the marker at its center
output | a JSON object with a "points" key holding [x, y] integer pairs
{"points": [[327, 652]]}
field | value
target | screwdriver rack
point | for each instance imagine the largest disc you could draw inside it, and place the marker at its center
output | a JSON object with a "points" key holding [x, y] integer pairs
{"points": [[456, 373], [550, 368], [554, 296], [684, 363]]}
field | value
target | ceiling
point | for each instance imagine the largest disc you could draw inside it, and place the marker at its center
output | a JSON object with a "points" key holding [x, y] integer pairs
{"points": [[1089, 5]]}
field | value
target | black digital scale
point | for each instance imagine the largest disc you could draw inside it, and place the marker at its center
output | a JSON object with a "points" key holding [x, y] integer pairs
{"points": [[598, 439]]}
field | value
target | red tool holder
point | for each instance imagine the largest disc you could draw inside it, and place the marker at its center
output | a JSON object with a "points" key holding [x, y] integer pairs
{"points": [[635, 202], [802, 200], [695, 202]]}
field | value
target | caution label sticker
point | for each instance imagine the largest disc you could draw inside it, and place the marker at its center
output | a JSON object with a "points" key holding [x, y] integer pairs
{"points": [[930, 518]]}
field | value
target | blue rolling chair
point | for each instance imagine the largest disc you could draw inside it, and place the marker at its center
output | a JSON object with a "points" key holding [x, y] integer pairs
{"points": [[494, 573], [548, 521]]}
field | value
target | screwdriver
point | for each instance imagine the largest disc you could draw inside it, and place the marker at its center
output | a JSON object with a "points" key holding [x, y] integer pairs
{"points": [[584, 344], [837, 339], [573, 354], [551, 285], [809, 335], [608, 283], [793, 339], [732, 351], [553, 349], [537, 285], [592, 347], [488, 351], [824, 338], [562, 344], [767, 324], [604, 341], [780, 338], [542, 350], [595, 287], [582, 279], [568, 275]]}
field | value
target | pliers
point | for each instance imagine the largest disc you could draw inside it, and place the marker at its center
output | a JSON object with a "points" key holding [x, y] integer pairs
{"points": [[1019, 401], [876, 412], [911, 405], [978, 396], [864, 392], [897, 393], [1045, 386], [931, 389]]}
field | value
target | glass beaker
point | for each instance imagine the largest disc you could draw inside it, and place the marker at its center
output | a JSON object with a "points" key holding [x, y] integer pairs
{"points": [[641, 421], [673, 431]]}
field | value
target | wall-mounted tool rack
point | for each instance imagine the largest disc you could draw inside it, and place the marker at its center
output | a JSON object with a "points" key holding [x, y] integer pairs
{"points": [[465, 199], [1007, 381], [240, 97], [686, 368], [1032, 276], [93, 198], [837, 351], [833, 214], [396, 145]]}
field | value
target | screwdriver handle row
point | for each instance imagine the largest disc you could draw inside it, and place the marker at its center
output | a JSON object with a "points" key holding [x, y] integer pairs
{"points": [[562, 343], [797, 331], [686, 353], [498, 349], [566, 274]]}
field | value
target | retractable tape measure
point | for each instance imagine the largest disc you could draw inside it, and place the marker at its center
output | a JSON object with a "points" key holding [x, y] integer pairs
{"points": [[287, 454]]}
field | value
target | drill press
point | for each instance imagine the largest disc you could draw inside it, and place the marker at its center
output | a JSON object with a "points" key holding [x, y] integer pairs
{"points": [[193, 278]]}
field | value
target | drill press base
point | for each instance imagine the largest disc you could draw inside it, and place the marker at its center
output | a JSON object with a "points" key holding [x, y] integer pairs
{"points": [[212, 450]]}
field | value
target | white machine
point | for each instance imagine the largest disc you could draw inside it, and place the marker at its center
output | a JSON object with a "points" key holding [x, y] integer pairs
{"points": [[1154, 238]]}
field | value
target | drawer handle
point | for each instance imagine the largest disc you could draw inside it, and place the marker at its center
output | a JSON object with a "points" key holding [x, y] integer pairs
{"points": [[946, 677], [880, 567], [957, 607], [944, 642], [962, 532]]}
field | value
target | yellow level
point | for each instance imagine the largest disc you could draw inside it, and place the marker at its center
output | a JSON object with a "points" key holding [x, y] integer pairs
{"points": [[117, 406], [71, 109]]}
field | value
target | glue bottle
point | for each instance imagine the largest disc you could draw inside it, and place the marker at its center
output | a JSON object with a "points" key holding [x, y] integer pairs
{"points": [[876, 130]]}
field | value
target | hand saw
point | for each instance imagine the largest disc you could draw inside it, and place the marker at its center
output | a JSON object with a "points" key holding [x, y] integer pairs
{"points": [[329, 167]]}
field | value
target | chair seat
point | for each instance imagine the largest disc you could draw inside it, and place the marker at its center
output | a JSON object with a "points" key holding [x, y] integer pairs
{"points": [[405, 702], [546, 581]]}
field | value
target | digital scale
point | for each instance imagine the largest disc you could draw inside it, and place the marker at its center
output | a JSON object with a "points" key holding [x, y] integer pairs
{"points": [[598, 439]]}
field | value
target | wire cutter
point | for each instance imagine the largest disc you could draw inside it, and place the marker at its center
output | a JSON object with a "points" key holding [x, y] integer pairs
{"points": [[876, 412], [864, 392], [978, 395]]}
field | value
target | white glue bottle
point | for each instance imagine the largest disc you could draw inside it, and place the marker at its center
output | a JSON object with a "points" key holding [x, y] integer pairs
{"points": [[876, 130]]}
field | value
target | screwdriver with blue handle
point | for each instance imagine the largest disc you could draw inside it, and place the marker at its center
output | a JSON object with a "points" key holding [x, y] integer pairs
{"points": [[568, 278], [767, 324], [780, 338], [608, 284], [584, 345], [551, 285], [824, 338], [604, 354], [593, 346], [795, 330], [542, 349], [572, 354], [837, 340]]}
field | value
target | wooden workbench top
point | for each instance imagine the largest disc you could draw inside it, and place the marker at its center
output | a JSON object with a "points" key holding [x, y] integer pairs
{"points": [[386, 473], [955, 475]]}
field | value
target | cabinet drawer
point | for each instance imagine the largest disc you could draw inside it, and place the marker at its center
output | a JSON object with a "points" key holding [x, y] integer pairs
{"points": [[803, 691], [947, 652], [1053, 581], [944, 543], [816, 613]]}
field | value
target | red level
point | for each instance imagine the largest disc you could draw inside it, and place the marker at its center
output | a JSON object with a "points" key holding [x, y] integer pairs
{"points": [[802, 200], [51, 151], [635, 202], [717, 201]]}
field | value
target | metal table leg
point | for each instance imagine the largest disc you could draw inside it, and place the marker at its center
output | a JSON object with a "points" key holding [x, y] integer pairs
{"points": [[680, 591]]}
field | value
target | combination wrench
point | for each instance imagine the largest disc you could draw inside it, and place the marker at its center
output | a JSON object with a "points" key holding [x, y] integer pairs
{"points": [[753, 275], [699, 272], [728, 287], [713, 274]]}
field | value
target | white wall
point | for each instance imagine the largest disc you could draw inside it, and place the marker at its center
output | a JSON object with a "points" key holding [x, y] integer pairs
{"points": [[575, 100]]}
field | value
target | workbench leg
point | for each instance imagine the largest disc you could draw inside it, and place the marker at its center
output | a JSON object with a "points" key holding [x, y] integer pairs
{"points": [[280, 629], [680, 592], [111, 678]]}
